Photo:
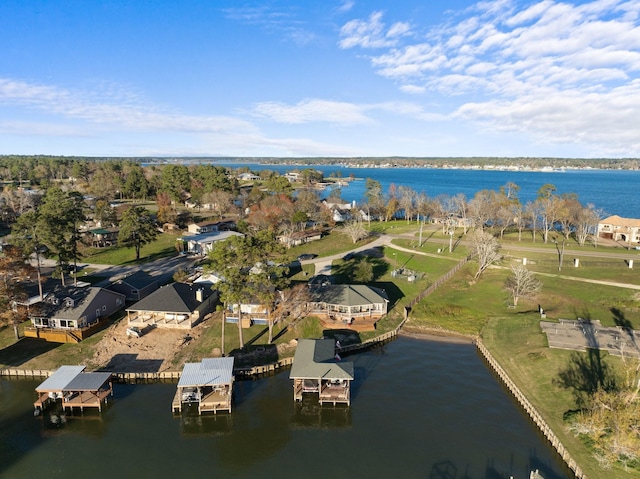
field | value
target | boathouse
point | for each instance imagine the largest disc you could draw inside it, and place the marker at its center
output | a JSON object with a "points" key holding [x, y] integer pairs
{"points": [[209, 384], [317, 369], [75, 389]]}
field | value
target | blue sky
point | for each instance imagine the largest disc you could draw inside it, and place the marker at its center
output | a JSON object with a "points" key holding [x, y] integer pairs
{"points": [[333, 78]]}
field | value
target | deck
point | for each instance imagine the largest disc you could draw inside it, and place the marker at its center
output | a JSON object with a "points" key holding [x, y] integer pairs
{"points": [[159, 320], [76, 400], [335, 394], [85, 399], [359, 323], [214, 401], [326, 392]]}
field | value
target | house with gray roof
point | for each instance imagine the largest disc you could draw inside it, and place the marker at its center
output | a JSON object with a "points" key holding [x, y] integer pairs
{"points": [[201, 244], [135, 286], [74, 309], [176, 305], [318, 369], [352, 306]]}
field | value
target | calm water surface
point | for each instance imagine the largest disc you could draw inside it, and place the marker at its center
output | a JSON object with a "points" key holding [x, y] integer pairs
{"points": [[613, 191], [420, 409]]}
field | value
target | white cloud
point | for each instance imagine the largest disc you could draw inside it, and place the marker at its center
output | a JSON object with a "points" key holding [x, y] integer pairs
{"points": [[97, 109], [557, 71], [371, 33], [346, 6], [314, 110], [413, 89]]}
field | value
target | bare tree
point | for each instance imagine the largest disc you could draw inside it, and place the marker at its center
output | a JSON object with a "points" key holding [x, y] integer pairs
{"points": [[522, 283], [533, 211], [462, 209], [586, 224], [550, 208], [407, 201], [291, 306], [482, 208], [355, 229], [485, 248]]}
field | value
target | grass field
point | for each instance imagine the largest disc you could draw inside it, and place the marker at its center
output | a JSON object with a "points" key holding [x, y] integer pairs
{"points": [[162, 247], [520, 347]]}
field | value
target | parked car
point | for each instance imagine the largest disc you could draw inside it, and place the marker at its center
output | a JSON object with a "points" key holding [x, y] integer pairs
{"points": [[306, 256]]}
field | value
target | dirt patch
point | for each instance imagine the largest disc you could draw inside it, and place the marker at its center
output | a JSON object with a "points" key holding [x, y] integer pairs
{"points": [[152, 352]]}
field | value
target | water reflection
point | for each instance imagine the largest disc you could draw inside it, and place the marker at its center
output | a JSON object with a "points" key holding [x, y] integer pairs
{"points": [[194, 424], [421, 409], [308, 413]]}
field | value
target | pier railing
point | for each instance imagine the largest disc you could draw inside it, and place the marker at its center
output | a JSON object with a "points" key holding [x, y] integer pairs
{"points": [[532, 412]]}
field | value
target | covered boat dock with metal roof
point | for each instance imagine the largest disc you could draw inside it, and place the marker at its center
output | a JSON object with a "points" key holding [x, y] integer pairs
{"points": [[318, 369], [209, 384], [75, 389]]}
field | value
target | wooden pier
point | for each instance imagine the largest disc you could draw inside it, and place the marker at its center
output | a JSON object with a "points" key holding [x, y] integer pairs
{"points": [[74, 389]]}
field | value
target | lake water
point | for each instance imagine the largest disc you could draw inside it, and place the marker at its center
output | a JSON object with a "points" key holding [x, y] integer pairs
{"points": [[613, 191], [420, 409]]}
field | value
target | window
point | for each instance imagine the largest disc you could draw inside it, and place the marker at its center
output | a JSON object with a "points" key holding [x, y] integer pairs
{"points": [[118, 302], [134, 291], [97, 313], [104, 308]]}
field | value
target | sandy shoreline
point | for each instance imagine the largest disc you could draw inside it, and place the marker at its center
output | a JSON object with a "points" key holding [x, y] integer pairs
{"points": [[436, 335]]}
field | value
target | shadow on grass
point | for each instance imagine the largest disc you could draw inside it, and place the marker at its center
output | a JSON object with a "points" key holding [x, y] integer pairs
{"points": [[345, 337], [132, 364], [24, 350], [585, 374], [394, 293], [164, 253], [250, 356], [362, 267]]}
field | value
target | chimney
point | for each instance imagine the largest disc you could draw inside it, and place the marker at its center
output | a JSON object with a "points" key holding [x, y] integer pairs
{"points": [[199, 295]]}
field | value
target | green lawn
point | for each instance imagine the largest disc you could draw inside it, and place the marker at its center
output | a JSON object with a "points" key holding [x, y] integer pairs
{"points": [[519, 346], [331, 244], [163, 246]]}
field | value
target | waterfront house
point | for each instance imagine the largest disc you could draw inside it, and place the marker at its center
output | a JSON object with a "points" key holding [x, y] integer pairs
{"points": [[617, 228], [248, 177], [318, 369], [209, 384], [70, 313], [201, 244], [298, 238], [251, 312], [135, 286], [176, 305], [102, 237], [74, 389], [352, 306], [202, 227]]}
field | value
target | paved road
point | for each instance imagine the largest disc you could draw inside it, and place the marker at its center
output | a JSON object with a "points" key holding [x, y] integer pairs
{"points": [[161, 269]]}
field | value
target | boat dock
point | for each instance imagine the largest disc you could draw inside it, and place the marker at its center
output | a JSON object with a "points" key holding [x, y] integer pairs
{"points": [[317, 369], [75, 389], [208, 384]]}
